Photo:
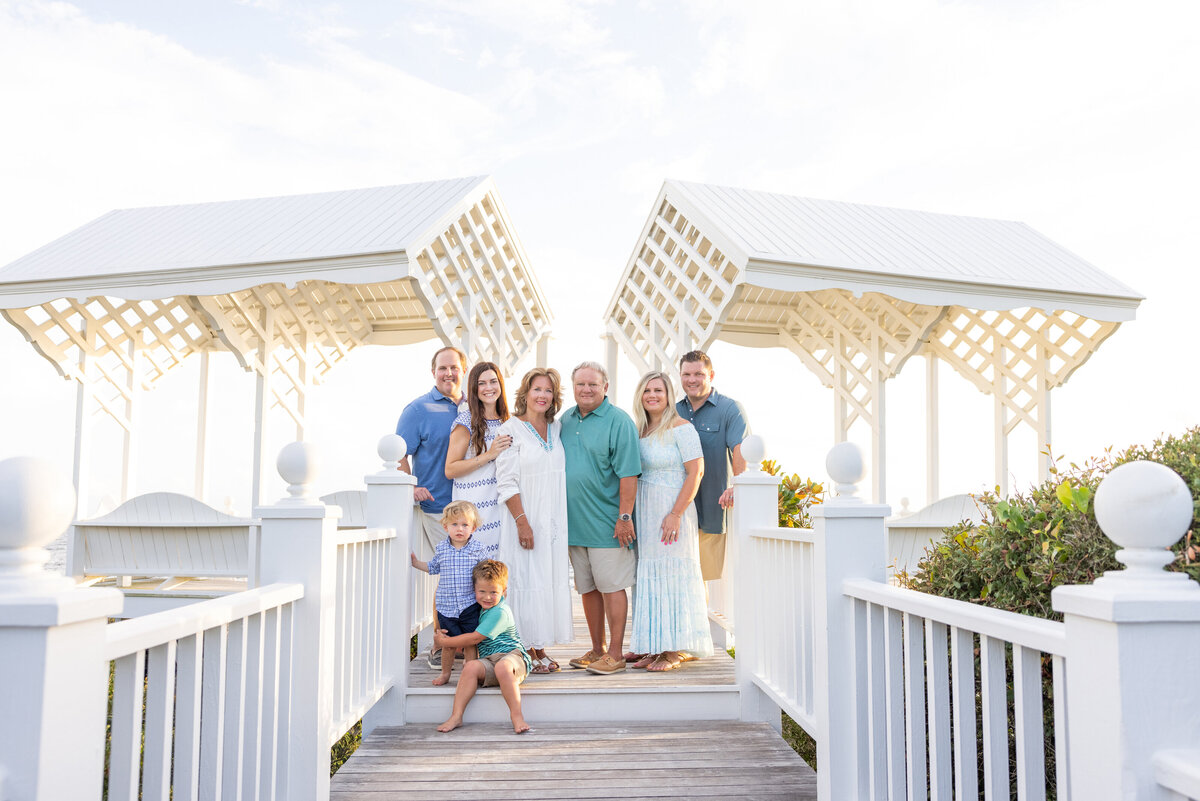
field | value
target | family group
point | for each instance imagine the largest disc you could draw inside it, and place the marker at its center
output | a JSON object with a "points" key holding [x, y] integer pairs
{"points": [[510, 502]]}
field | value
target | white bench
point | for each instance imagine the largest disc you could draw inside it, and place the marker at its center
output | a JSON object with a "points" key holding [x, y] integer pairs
{"points": [[910, 536]]}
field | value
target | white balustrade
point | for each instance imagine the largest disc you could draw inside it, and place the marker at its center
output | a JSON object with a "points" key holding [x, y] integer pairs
{"points": [[884, 678], [52, 707]]}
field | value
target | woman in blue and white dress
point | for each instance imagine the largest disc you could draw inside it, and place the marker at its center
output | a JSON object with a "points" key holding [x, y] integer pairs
{"points": [[474, 447], [670, 614], [533, 536]]}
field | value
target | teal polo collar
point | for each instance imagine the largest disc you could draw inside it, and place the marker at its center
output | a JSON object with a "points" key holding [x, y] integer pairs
{"points": [[599, 411]]}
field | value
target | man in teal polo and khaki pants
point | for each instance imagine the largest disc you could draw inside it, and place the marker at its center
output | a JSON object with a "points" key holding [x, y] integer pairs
{"points": [[601, 446]]}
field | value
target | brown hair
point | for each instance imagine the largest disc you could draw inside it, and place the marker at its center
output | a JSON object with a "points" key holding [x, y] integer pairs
{"points": [[490, 570], [475, 405], [456, 509], [520, 406], [462, 357], [696, 356]]}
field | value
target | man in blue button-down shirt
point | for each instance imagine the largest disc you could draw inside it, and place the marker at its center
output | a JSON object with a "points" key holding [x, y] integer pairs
{"points": [[721, 423], [425, 425]]}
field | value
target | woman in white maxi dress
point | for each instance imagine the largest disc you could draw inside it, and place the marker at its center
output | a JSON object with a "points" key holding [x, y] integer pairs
{"points": [[531, 483], [475, 444]]}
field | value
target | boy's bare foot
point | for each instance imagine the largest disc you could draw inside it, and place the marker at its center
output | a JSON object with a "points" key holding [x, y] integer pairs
{"points": [[454, 722], [442, 679], [519, 725]]}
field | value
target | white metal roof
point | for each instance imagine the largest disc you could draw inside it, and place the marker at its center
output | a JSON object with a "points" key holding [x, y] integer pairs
{"points": [[798, 244], [350, 236]]}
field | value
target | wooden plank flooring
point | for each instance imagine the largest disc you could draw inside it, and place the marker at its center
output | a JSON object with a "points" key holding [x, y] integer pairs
{"points": [[629, 761], [716, 670]]}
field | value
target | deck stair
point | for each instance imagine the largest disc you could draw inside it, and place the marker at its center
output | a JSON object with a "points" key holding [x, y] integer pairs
{"points": [[702, 690], [714, 759]]}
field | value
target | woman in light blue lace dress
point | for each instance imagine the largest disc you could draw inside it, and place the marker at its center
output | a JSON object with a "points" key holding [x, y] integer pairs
{"points": [[670, 614], [475, 444]]}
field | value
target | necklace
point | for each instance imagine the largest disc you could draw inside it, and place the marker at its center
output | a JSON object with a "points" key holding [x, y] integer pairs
{"points": [[548, 443]]}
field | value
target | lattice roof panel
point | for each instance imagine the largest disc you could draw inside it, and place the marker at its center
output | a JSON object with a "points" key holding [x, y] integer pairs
{"points": [[336, 270]]}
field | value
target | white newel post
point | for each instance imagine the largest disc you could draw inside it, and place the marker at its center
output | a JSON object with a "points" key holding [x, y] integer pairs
{"points": [[1133, 641], [755, 507], [389, 505], [850, 542], [298, 545], [52, 669]]}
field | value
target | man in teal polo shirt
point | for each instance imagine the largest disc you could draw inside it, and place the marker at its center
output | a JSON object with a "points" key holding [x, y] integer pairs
{"points": [[601, 446]]}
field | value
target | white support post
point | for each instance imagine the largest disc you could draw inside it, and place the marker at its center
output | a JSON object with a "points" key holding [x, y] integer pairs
{"points": [[390, 505], [850, 543], [543, 350], [83, 424], [1133, 640], [304, 374], [879, 429], [932, 431], [262, 406], [132, 404], [52, 637], [1000, 417], [755, 507], [299, 545], [839, 387], [610, 358], [1043, 414], [202, 400]]}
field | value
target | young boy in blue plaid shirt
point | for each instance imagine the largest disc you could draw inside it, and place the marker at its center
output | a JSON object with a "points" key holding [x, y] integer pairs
{"points": [[453, 560]]}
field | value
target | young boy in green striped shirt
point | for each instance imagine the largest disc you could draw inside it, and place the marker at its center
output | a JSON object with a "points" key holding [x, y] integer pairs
{"points": [[502, 661]]}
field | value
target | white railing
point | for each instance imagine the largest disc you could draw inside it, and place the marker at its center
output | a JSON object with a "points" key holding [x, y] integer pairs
{"points": [[885, 679], [237, 697], [916, 659], [361, 603], [779, 652], [227, 662]]}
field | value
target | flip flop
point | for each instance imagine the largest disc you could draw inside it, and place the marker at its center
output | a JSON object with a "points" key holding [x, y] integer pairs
{"points": [[630, 657], [542, 665], [646, 661], [666, 665]]}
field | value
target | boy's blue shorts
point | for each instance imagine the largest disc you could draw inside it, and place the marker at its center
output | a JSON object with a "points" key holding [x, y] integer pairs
{"points": [[466, 622]]}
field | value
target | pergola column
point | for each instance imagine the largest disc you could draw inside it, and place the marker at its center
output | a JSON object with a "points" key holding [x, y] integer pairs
{"points": [[84, 407], [932, 445], [262, 404], [202, 400]]}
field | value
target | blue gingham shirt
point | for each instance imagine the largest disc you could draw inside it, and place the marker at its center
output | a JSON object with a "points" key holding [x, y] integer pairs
{"points": [[456, 590]]}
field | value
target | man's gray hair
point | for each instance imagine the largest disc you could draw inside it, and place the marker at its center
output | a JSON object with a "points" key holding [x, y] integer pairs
{"points": [[599, 368]]}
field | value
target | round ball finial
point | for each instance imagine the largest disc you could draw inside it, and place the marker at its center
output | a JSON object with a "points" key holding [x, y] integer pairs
{"points": [[1144, 507], [845, 466], [391, 450], [754, 451], [297, 465], [36, 504]]}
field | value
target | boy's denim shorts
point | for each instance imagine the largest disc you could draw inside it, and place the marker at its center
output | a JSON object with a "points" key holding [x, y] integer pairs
{"points": [[466, 622]]}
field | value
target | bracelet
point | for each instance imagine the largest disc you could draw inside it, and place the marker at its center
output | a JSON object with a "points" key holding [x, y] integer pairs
{"points": [[518, 517]]}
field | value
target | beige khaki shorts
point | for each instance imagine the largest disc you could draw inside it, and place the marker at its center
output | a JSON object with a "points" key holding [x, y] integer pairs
{"points": [[427, 532], [604, 569], [712, 555], [490, 662]]}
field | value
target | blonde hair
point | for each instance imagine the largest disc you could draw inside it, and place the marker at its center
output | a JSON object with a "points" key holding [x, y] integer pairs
{"points": [[460, 509], [520, 405], [669, 415]]}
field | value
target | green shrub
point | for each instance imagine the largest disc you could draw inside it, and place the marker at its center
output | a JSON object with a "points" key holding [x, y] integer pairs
{"points": [[1028, 544], [796, 496]]}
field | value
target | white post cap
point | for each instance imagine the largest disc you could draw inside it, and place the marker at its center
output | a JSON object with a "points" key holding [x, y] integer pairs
{"points": [[846, 467], [754, 450], [1144, 507], [36, 506], [297, 464], [391, 449]]}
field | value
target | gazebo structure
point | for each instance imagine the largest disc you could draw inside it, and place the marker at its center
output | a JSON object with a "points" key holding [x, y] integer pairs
{"points": [[854, 291], [289, 285]]}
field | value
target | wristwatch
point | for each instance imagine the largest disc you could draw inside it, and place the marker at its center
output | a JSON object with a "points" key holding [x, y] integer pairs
{"points": [[625, 517]]}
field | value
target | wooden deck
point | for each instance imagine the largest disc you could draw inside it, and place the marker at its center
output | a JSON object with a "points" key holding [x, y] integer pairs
{"points": [[631, 735], [628, 761]]}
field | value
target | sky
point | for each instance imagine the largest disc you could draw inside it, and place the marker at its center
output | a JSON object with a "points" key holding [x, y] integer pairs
{"points": [[1078, 118]]}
